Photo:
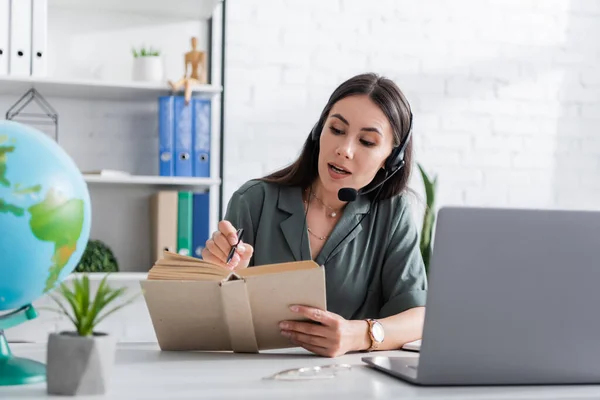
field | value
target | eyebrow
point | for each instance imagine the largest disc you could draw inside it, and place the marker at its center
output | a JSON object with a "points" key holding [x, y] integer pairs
{"points": [[366, 129]]}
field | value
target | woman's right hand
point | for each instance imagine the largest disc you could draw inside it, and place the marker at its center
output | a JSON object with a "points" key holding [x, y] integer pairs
{"points": [[218, 246]]}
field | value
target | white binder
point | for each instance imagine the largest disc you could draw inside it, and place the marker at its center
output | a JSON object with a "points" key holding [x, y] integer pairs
{"points": [[20, 38], [4, 38], [39, 37]]}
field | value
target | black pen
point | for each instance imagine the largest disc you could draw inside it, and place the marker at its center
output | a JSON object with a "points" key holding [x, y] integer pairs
{"points": [[240, 233]]}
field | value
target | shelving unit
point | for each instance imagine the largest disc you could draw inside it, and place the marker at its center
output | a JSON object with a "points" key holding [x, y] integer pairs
{"points": [[154, 180], [112, 277], [89, 84], [87, 88], [181, 9]]}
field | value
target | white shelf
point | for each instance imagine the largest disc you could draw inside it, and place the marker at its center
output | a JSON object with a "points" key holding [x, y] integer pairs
{"points": [[153, 180], [181, 9], [93, 89], [113, 276]]}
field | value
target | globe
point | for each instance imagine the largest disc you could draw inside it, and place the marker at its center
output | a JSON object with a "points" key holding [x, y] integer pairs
{"points": [[45, 217]]}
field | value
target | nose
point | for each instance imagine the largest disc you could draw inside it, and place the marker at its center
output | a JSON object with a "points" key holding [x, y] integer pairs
{"points": [[345, 149]]}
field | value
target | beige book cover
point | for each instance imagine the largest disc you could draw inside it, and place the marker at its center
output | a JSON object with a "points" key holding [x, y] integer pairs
{"points": [[196, 305]]}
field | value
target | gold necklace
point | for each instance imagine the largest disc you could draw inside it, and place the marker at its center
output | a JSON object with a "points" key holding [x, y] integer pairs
{"points": [[315, 235], [333, 213]]}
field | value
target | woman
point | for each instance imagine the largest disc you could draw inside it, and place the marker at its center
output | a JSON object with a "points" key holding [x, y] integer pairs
{"points": [[375, 276]]}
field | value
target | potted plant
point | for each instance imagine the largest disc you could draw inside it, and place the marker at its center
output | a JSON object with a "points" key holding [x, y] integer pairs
{"points": [[97, 257], [80, 362], [430, 185], [147, 65]]}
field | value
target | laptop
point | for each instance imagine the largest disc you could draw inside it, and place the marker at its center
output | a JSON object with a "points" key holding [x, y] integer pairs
{"points": [[513, 299]]}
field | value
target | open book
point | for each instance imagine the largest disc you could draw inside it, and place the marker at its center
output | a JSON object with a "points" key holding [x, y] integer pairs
{"points": [[197, 305]]}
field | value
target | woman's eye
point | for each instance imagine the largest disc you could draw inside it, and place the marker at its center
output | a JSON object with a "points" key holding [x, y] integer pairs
{"points": [[367, 143], [335, 130]]}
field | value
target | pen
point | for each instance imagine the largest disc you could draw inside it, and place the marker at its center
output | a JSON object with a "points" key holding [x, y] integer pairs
{"points": [[239, 233]]}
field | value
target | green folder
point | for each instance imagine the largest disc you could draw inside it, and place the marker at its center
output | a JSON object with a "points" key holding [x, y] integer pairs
{"points": [[184, 222]]}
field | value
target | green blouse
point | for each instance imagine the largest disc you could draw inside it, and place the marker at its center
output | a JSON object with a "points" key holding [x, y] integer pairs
{"points": [[376, 272]]}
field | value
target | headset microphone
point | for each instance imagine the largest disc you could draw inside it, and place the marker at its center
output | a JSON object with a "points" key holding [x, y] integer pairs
{"points": [[350, 194], [347, 194]]}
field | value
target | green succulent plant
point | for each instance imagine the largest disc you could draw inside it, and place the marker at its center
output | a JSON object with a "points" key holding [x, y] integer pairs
{"points": [[430, 184], [97, 257], [86, 312], [145, 52]]}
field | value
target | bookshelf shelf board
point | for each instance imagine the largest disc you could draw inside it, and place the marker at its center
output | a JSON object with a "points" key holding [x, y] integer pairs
{"points": [[81, 88], [180, 9], [113, 276], [153, 180]]}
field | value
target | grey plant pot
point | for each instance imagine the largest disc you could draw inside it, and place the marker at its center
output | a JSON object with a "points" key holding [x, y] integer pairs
{"points": [[79, 365]]}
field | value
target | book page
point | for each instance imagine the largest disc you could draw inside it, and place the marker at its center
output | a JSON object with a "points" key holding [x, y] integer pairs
{"points": [[186, 274], [179, 267], [277, 268]]}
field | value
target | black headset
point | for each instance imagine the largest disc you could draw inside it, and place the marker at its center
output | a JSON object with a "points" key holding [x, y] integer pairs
{"points": [[395, 160]]}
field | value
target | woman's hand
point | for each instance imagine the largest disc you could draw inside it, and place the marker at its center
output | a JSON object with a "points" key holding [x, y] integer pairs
{"points": [[331, 336], [218, 246]]}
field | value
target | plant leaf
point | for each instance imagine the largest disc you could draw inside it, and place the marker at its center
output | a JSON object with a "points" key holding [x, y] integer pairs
{"points": [[85, 295], [109, 296], [429, 217], [77, 313], [71, 299], [96, 304], [430, 186], [63, 310]]}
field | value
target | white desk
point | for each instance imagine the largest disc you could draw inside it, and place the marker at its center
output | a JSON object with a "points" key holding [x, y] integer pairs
{"points": [[142, 371]]}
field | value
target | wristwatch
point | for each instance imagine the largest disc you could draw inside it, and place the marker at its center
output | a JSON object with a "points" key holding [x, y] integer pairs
{"points": [[376, 333]]}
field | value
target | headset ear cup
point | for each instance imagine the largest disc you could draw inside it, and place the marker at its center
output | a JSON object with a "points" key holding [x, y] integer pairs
{"points": [[394, 160]]}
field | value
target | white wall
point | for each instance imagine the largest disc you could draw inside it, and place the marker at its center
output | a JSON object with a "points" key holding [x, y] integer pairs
{"points": [[506, 94]]}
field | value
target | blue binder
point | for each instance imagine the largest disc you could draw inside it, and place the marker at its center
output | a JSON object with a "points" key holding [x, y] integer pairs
{"points": [[183, 137], [201, 139], [166, 126], [200, 222]]}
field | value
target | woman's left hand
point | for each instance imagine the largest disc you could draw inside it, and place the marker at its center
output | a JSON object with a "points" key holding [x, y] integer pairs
{"points": [[331, 336]]}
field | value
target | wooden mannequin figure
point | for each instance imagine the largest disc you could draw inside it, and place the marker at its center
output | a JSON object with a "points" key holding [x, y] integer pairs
{"points": [[196, 60]]}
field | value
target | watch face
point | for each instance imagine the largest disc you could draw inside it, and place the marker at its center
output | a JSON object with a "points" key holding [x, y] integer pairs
{"points": [[377, 332]]}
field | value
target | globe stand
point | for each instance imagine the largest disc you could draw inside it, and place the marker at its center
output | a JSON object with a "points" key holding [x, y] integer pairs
{"points": [[17, 370]]}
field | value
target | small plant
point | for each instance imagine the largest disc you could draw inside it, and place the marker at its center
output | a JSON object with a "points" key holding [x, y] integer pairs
{"points": [[97, 257], [145, 52], [86, 312], [429, 217]]}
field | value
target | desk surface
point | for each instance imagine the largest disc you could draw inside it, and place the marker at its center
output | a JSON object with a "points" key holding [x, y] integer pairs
{"points": [[142, 371]]}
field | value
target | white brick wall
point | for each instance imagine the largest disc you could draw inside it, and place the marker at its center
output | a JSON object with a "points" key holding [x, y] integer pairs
{"points": [[506, 94]]}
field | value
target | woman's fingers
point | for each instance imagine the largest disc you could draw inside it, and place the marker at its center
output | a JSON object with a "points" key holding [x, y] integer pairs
{"points": [[229, 232], [245, 251], [216, 251], [218, 247], [221, 243]]}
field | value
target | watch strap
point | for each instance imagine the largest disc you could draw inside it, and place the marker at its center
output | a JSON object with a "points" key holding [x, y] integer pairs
{"points": [[374, 343]]}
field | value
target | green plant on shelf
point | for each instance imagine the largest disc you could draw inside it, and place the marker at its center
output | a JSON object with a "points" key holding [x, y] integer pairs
{"points": [[145, 52], [84, 311], [430, 184], [97, 257]]}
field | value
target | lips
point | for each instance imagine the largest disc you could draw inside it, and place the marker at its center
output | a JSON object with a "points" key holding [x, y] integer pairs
{"points": [[338, 169]]}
